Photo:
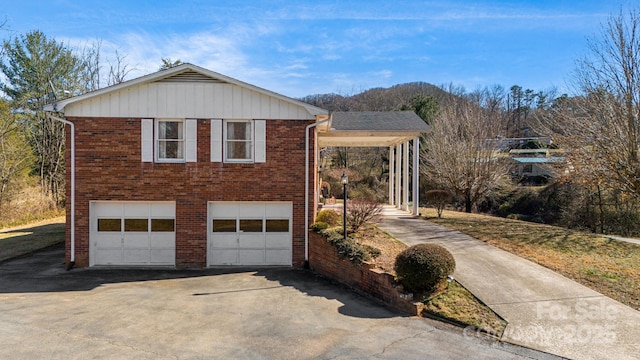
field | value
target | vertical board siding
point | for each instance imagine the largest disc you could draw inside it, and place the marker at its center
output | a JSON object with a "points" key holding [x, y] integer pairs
{"points": [[188, 100]]}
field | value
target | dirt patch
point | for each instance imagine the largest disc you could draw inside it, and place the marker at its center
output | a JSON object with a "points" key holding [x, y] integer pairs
{"points": [[389, 247]]}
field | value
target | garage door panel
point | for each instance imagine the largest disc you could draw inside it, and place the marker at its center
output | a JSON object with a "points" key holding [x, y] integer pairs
{"points": [[136, 241], [278, 240], [251, 241], [109, 242], [250, 257], [252, 211], [163, 241], [278, 257], [163, 210], [278, 210], [226, 241], [136, 256], [161, 256], [224, 211], [224, 257], [110, 256], [133, 209], [108, 209]]}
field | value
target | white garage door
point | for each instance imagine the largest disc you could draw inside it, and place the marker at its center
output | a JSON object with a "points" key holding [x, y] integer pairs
{"points": [[132, 233], [249, 233]]}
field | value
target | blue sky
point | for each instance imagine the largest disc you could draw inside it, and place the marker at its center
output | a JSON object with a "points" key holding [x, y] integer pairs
{"points": [[299, 48]]}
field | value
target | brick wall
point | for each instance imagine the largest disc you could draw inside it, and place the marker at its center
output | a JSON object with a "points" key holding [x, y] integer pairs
{"points": [[324, 260], [109, 167]]}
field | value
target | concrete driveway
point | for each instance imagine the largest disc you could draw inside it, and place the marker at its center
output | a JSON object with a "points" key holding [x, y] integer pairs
{"points": [[275, 313], [544, 309]]}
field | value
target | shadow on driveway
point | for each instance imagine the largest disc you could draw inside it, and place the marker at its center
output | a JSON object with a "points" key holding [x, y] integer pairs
{"points": [[44, 271]]}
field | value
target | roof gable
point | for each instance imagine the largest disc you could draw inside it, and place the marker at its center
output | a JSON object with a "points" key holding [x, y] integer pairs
{"points": [[186, 91]]}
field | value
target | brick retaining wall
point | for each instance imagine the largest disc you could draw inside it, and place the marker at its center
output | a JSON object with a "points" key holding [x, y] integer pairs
{"points": [[324, 260]]}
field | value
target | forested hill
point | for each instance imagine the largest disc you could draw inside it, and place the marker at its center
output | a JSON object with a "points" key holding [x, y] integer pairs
{"points": [[397, 97]]}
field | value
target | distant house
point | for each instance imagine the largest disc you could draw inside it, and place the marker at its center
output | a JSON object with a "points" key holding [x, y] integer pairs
{"points": [[535, 163], [190, 168]]}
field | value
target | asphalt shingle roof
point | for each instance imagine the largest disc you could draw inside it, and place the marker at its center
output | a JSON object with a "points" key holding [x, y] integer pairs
{"points": [[378, 121]]}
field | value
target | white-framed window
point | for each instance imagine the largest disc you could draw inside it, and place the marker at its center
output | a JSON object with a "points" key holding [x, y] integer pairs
{"points": [[170, 140], [238, 140]]}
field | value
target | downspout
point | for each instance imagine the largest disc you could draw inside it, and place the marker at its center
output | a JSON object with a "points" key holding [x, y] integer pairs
{"points": [[72, 260], [306, 190]]}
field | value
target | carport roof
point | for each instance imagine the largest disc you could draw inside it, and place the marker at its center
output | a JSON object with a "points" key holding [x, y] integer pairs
{"points": [[371, 128]]}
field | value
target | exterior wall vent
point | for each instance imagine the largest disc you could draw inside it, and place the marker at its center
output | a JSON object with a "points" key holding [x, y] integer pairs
{"points": [[191, 76]]}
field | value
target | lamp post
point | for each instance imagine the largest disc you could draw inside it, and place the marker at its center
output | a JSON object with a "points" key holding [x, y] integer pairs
{"points": [[344, 180]]}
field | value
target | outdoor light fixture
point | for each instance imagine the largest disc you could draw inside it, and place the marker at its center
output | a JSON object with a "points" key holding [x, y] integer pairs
{"points": [[344, 179]]}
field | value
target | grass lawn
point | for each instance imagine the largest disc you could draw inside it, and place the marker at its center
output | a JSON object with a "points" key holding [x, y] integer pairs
{"points": [[459, 305], [608, 266], [25, 239]]}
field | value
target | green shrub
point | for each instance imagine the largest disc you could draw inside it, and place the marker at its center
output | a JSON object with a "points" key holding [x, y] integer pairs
{"points": [[349, 248], [373, 252], [328, 216], [319, 226], [424, 267]]}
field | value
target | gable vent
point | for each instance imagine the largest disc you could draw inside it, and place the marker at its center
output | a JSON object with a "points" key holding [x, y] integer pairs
{"points": [[191, 76]]}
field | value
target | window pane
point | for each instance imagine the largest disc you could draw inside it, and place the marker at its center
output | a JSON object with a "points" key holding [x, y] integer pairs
{"points": [[251, 225], [240, 150], [170, 149], [238, 130], [163, 225], [170, 130], [109, 225], [278, 225], [136, 225], [224, 226]]}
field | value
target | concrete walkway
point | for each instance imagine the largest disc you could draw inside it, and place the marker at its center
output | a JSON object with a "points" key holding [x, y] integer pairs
{"points": [[545, 310]]}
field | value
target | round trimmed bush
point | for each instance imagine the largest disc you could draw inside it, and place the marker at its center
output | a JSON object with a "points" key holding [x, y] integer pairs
{"points": [[328, 216], [423, 267]]}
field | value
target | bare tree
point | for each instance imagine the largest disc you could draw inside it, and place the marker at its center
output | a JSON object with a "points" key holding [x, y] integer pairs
{"points": [[15, 155], [118, 70], [459, 153], [600, 128]]}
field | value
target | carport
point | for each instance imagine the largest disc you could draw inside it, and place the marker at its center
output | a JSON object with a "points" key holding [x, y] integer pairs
{"points": [[398, 130]]}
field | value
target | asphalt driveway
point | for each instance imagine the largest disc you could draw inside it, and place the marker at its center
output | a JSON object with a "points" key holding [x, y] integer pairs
{"points": [[275, 313]]}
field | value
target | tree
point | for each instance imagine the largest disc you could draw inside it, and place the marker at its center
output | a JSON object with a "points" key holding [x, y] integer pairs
{"points": [[600, 128], [39, 71], [118, 70], [15, 154], [425, 106], [168, 63], [460, 155], [439, 199]]}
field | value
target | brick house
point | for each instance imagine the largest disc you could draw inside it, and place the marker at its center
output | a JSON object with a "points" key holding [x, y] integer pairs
{"points": [[189, 168]]}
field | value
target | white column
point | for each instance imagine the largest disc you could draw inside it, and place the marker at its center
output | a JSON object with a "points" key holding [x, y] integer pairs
{"points": [[405, 177], [415, 193], [398, 173], [391, 175]]}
